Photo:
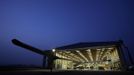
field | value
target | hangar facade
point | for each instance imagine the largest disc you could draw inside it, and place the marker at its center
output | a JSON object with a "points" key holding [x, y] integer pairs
{"points": [[88, 56]]}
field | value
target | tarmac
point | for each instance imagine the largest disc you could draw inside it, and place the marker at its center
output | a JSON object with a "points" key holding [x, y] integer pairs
{"points": [[61, 72]]}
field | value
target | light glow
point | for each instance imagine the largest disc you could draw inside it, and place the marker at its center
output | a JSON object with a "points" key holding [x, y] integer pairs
{"points": [[53, 50]]}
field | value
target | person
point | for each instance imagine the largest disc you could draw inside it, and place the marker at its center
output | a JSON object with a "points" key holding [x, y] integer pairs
{"points": [[91, 67]]}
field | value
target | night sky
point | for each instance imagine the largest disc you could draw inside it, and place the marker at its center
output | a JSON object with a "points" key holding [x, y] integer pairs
{"points": [[46, 24]]}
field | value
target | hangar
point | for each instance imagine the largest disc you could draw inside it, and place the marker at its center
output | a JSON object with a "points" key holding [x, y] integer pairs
{"points": [[92, 56]]}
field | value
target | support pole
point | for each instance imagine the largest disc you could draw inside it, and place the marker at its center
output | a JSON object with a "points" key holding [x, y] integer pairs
{"points": [[44, 62]]}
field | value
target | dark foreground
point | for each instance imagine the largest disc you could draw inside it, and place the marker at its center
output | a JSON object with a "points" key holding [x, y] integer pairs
{"points": [[61, 72]]}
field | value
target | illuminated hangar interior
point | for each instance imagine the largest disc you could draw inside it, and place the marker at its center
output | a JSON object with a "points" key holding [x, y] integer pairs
{"points": [[88, 59], [93, 56]]}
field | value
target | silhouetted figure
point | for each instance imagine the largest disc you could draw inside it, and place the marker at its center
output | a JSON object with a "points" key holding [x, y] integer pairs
{"points": [[92, 68]]}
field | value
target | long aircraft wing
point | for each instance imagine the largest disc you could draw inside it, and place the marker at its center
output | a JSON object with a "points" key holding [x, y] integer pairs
{"points": [[23, 45]]}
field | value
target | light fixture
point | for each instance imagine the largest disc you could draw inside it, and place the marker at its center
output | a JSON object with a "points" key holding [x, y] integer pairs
{"points": [[98, 49], [53, 50], [88, 50], [110, 48]]}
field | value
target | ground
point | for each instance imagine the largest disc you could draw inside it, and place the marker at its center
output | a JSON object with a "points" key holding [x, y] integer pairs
{"points": [[61, 72]]}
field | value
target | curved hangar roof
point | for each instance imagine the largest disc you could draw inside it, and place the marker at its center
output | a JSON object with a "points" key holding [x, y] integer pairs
{"points": [[90, 44]]}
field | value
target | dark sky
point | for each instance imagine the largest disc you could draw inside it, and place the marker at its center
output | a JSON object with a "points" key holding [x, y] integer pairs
{"points": [[47, 24]]}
